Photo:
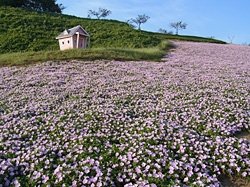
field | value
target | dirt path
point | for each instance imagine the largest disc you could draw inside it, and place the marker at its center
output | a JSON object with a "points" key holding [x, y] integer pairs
{"points": [[234, 181], [244, 135]]}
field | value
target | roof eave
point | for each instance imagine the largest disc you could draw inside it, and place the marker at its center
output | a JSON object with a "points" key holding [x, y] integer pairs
{"points": [[63, 36], [84, 34]]}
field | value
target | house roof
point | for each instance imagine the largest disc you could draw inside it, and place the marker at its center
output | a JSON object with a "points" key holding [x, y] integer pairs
{"points": [[70, 32]]}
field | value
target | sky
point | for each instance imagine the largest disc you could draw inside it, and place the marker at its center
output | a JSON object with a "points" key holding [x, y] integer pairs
{"points": [[227, 20]]}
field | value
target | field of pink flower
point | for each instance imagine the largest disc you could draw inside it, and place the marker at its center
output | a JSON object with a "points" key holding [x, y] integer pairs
{"points": [[109, 123]]}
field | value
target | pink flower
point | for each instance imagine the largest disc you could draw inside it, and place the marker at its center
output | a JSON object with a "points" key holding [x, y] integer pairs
{"points": [[171, 170], [138, 170], [244, 174], [56, 170], [45, 179], [189, 174], [17, 184], [99, 184], [59, 175], [185, 179], [74, 183]]}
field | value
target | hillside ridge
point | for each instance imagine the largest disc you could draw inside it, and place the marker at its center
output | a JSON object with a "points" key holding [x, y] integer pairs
{"points": [[29, 30]]}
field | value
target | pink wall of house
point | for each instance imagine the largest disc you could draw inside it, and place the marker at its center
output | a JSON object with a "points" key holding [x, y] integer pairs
{"points": [[75, 40], [81, 31], [65, 43]]}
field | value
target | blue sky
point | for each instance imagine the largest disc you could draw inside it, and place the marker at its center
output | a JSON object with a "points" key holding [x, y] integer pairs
{"points": [[218, 18]]}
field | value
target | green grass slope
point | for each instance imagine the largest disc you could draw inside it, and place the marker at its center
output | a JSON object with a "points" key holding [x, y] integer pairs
{"points": [[28, 30], [133, 54], [187, 38]]}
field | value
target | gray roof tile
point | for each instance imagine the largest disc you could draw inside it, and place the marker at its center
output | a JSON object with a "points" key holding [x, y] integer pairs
{"points": [[70, 32]]}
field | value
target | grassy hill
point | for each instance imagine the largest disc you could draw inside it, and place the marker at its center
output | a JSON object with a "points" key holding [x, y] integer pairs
{"points": [[28, 30]]}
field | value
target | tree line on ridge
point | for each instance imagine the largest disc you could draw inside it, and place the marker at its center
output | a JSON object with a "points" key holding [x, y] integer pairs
{"points": [[40, 5]]}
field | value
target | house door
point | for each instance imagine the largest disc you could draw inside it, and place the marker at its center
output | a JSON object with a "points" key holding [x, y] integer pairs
{"points": [[81, 44]]}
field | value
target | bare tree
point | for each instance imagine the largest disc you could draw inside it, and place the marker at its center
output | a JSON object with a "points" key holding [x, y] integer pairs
{"points": [[140, 19], [178, 25], [230, 38], [131, 24], [101, 13], [246, 44], [164, 31]]}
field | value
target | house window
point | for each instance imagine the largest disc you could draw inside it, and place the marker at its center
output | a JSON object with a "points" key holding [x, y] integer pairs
{"points": [[75, 41], [68, 41], [63, 43]]}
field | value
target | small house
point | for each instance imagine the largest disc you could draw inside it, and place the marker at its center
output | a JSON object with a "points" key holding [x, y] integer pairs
{"points": [[75, 37]]}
